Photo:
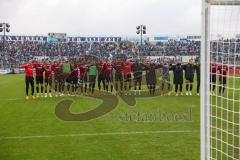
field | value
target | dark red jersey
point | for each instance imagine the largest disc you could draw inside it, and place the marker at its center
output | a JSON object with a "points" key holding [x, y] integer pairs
{"points": [[39, 69], [101, 69], [118, 66], [57, 67], [108, 70], [213, 68], [28, 69], [76, 70], [83, 70], [48, 70], [127, 69], [223, 70]]}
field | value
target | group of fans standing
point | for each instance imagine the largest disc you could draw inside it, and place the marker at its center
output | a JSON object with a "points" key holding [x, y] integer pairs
{"points": [[78, 73]]}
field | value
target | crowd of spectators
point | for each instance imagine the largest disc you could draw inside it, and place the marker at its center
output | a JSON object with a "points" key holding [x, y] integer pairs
{"points": [[226, 49], [15, 53], [172, 48]]}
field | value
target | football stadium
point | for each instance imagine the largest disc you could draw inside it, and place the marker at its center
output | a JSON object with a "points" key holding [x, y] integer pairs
{"points": [[68, 96]]}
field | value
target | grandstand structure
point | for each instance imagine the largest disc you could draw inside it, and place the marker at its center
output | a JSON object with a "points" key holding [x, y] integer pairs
{"points": [[18, 49], [220, 113]]}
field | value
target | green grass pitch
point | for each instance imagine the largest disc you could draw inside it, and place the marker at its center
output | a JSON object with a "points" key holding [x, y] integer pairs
{"points": [[30, 130]]}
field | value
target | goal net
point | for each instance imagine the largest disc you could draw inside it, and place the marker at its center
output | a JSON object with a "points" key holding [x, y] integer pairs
{"points": [[220, 101]]}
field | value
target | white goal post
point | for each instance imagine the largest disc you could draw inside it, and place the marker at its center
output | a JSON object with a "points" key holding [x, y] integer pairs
{"points": [[220, 47]]}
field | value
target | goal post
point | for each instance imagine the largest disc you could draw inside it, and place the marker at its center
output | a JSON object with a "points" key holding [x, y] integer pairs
{"points": [[220, 107], [205, 60]]}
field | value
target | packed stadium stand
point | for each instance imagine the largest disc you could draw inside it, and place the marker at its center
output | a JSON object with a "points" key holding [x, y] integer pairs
{"points": [[14, 53]]}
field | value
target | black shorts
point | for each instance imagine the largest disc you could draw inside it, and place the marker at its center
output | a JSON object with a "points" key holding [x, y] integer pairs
{"points": [[83, 79], [48, 81], [69, 79], [29, 80], [57, 79], [213, 78], [75, 80], [189, 80], [128, 77], [65, 76], [118, 77], [101, 78], [61, 79], [72, 80], [223, 80], [108, 80], [39, 79], [92, 79], [138, 78]]}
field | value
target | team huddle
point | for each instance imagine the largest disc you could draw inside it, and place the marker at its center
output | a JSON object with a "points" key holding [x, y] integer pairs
{"points": [[79, 75], [221, 70]]}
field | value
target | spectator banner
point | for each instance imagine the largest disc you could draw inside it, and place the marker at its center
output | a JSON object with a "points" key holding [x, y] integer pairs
{"points": [[94, 39], [19, 71], [24, 38], [5, 71], [69, 39]]}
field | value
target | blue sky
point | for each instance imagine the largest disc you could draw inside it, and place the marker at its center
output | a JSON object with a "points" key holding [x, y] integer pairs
{"points": [[102, 17]]}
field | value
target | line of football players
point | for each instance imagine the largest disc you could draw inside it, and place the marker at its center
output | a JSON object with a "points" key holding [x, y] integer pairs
{"points": [[67, 76]]}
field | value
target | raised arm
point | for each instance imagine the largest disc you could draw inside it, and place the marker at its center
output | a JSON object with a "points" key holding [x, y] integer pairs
{"points": [[22, 66], [145, 66]]}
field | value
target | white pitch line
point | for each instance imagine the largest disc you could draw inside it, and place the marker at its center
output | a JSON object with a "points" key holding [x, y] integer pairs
{"points": [[12, 99], [96, 134], [43, 98]]}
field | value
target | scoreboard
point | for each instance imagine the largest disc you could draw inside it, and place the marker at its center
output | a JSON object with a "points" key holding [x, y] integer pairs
{"points": [[57, 37]]}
